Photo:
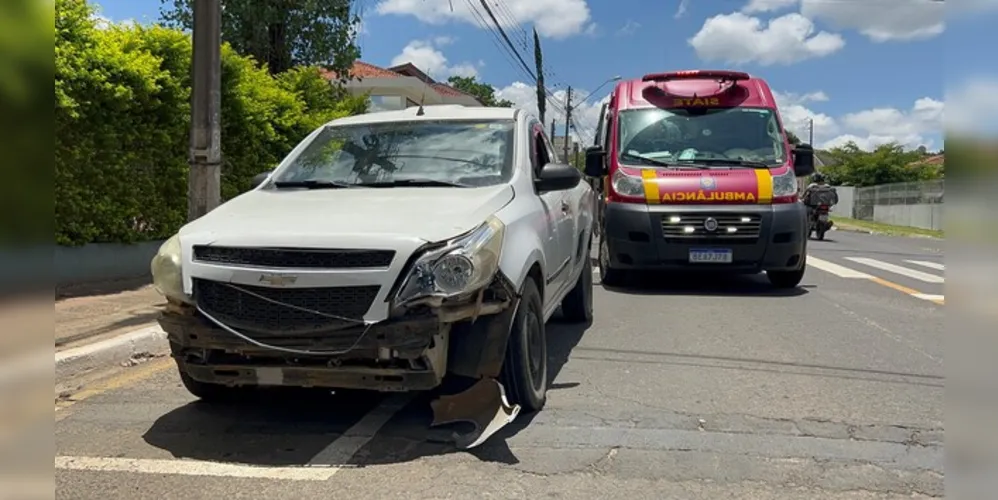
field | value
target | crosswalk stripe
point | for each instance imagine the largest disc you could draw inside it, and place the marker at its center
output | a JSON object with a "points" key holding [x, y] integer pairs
{"points": [[831, 267], [903, 271], [931, 265]]}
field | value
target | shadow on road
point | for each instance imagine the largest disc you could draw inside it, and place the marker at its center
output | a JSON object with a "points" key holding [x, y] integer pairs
{"points": [[290, 427], [285, 428], [721, 285]]}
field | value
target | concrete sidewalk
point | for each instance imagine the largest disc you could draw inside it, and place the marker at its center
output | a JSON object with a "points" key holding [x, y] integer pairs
{"points": [[95, 314]]}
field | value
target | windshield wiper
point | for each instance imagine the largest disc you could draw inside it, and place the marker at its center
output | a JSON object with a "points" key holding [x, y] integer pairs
{"points": [[729, 161], [412, 183], [652, 161], [313, 184]]}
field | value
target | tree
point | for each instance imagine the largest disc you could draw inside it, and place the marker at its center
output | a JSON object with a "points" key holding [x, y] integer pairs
{"points": [[283, 33], [539, 61], [887, 164], [481, 91]]}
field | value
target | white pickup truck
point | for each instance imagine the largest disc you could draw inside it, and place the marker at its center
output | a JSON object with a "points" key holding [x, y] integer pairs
{"points": [[387, 251]]}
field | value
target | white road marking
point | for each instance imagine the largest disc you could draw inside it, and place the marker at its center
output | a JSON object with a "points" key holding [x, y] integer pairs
{"points": [[831, 267], [339, 452], [191, 468], [930, 297], [321, 467], [903, 271], [931, 265]]}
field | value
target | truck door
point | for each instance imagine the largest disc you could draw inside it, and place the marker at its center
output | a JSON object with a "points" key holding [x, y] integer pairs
{"points": [[555, 256]]}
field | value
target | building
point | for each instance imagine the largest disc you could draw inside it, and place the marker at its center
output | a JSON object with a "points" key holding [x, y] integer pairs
{"points": [[558, 142], [401, 87]]}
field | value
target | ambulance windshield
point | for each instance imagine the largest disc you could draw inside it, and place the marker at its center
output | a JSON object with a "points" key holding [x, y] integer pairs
{"points": [[699, 135]]}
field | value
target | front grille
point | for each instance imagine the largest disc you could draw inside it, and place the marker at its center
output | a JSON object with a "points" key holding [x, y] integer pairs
{"points": [[690, 227], [302, 258], [265, 310]]}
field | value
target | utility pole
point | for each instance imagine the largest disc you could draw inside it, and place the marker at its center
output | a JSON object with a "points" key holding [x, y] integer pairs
{"points": [[568, 119], [810, 131], [552, 129], [204, 181]]}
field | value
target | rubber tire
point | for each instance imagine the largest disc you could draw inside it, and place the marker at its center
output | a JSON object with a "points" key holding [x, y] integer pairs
{"points": [[577, 306], [787, 279], [608, 275], [515, 376], [821, 234], [213, 393]]}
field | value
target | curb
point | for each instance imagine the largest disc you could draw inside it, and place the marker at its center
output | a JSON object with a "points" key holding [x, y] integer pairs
{"points": [[114, 351]]}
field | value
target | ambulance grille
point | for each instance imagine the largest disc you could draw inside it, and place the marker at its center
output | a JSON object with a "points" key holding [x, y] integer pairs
{"points": [[693, 226]]}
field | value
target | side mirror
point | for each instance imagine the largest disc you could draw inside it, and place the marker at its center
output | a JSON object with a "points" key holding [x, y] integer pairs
{"points": [[595, 161], [803, 160], [259, 179], [557, 177]]}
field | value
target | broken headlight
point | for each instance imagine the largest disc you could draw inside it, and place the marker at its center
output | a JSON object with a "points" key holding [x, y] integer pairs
{"points": [[465, 264], [166, 275]]}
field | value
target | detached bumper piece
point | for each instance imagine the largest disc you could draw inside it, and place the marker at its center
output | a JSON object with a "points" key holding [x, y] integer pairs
{"points": [[484, 405]]}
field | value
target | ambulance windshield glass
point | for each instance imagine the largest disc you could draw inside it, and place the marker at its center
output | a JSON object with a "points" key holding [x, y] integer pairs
{"points": [[699, 135]]}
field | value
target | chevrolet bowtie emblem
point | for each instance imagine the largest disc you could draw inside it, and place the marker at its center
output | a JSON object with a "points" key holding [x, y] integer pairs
{"points": [[277, 279]]}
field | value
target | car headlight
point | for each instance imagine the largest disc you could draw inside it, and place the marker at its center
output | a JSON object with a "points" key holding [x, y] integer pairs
{"points": [[785, 184], [465, 264], [628, 185], [166, 270]]}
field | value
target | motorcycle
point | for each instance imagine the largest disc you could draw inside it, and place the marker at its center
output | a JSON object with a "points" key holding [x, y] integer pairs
{"points": [[820, 223]]}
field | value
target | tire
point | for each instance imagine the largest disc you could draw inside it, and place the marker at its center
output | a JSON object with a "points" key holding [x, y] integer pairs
{"points": [[577, 306], [524, 371], [608, 275], [213, 393], [821, 233], [787, 279]]}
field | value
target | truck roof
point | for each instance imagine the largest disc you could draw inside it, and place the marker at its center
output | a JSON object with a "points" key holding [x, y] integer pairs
{"points": [[629, 94], [431, 112]]}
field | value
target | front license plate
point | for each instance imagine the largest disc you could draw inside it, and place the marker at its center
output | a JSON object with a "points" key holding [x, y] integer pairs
{"points": [[823, 218], [710, 256]]}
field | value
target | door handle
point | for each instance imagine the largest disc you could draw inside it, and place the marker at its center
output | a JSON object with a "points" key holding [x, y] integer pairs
{"points": [[565, 207]]}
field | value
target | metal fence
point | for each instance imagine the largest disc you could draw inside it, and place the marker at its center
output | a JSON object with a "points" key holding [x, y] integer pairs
{"points": [[912, 204]]}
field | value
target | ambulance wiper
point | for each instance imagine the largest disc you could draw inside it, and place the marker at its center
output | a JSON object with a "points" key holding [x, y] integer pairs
{"points": [[732, 162], [661, 163]]}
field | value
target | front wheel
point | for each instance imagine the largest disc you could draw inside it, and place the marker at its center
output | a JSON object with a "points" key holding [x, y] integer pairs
{"points": [[608, 275], [821, 233], [577, 306], [524, 371], [787, 279]]}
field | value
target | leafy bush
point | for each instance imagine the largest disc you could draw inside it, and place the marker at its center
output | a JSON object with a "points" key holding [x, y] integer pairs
{"points": [[122, 125]]}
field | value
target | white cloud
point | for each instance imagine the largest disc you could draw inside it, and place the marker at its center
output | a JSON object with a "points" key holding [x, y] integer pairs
{"points": [[585, 114], [628, 28], [882, 20], [739, 39], [425, 56], [755, 6], [874, 127], [553, 18], [868, 128], [972, 107], [681, 10]]}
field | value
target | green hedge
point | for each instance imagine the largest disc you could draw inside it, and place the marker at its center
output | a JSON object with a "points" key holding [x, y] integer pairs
{"points": [[122, 125]]}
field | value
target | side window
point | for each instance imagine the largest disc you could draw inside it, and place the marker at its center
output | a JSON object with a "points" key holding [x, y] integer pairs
{"points": [[536, 148], [601, 127]]}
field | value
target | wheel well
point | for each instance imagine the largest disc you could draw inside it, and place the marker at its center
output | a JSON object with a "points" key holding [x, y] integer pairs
{"points": [[537, 275]]}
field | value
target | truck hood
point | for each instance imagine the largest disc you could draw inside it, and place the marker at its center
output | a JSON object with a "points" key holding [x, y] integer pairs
{"points": [[736, 186], [347, 218]]}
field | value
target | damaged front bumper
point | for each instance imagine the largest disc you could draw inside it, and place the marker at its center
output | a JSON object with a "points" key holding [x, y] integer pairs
{"points": [[412, 351]]}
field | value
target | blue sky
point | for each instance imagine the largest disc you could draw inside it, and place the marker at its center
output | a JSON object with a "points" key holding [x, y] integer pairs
{"points": [[864, 70]]}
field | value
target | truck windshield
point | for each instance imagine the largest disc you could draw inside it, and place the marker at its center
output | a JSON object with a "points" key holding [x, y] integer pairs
{"points": [[714, 137], [415, 153]]}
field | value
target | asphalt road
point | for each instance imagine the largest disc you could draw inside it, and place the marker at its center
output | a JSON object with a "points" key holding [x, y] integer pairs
{"points": [[679, 389]]}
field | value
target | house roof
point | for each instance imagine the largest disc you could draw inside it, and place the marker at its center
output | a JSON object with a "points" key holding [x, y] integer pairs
{"points": [[931, 160], [363, 70]]}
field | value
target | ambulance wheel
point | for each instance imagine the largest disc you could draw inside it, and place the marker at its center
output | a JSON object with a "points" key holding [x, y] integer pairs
{"points": [[608, 275], [787, 279]]}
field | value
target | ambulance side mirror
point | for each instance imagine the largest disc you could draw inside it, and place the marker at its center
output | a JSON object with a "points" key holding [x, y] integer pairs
{"points": [[803, 160]]}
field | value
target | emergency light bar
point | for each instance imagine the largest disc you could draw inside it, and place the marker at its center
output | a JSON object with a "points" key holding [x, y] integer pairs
{"points": [[732, 76]]}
